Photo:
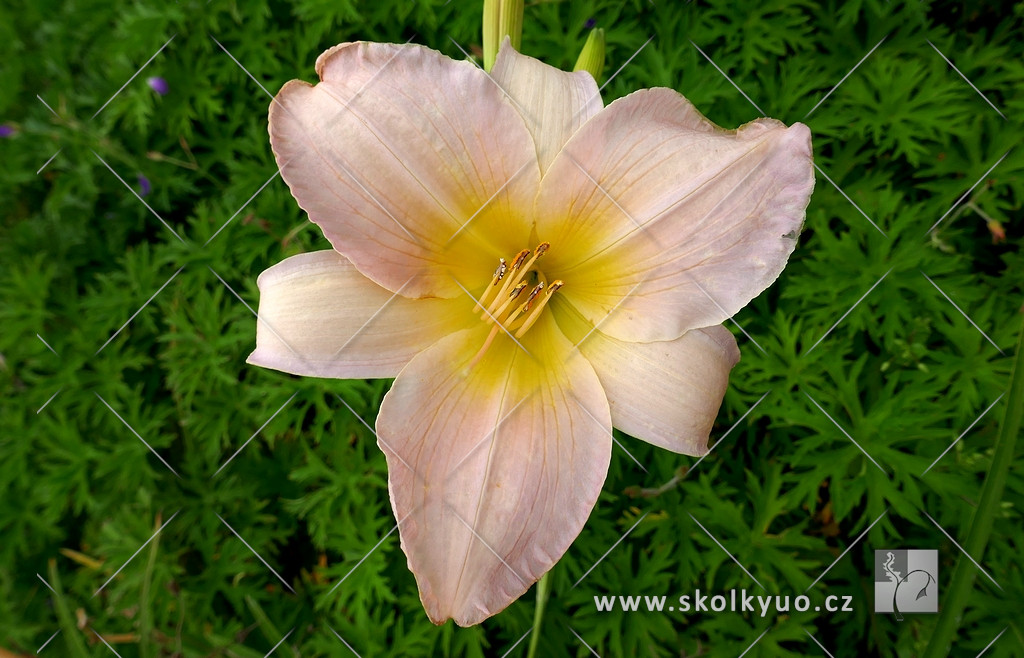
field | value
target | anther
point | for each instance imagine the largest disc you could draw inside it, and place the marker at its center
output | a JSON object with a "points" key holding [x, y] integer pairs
{"points": [[542, 248], [533, 295], [520, 259], [518, 289], [499, 273], [530, 319]]}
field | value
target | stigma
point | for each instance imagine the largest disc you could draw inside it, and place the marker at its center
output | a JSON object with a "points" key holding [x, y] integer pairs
{"points": [[515, 297]]}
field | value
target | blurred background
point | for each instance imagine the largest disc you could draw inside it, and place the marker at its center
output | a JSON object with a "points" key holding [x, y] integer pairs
{"points": [[162, 498]]}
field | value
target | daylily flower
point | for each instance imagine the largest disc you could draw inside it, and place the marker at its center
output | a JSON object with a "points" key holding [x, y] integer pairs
{"points": [[533, 268]]}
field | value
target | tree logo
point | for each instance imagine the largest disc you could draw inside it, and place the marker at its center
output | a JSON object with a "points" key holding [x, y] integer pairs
{"points": [[906, 581]]}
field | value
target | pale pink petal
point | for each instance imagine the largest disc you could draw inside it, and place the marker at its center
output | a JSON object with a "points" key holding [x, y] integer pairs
{"points": [[553, 103], [492, 471], [665, 392], [669, 222], [394, 151], [319, 317]]}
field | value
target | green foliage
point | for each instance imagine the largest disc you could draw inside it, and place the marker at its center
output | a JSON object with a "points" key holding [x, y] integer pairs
{"points": [[849, 424]]}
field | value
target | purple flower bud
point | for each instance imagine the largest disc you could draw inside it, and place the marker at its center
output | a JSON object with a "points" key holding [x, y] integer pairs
{"points": [[159, 85], [144, 185], [589, 25], [6, 131]]}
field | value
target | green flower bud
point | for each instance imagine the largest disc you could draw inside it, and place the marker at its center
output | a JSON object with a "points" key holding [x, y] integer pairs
{"points": [[591, 57], [501, 18]]}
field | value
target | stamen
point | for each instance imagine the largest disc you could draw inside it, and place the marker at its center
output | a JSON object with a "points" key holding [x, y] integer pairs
{"points": [[517, 274], [496, 300], [499, 274], [532, 317], [533, 295], [496, 315], [487, 343]]}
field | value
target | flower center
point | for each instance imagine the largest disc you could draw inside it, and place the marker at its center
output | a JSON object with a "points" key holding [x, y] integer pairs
{"points": [[500, 303]]}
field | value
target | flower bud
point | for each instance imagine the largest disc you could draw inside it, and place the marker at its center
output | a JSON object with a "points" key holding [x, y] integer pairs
{"points": [[501, 18], [591, 57]]}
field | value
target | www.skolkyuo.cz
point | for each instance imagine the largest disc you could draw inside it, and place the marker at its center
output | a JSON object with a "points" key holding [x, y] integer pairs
{"points": [[730, 601]]}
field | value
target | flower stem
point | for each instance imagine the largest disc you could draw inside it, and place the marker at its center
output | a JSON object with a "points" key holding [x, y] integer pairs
{"points": [[543, 588], [984, 515]]}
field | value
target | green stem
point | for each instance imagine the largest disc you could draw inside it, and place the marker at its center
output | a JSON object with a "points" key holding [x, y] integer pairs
{"points": [[984, 516], [543, 588], [69, 629]]}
